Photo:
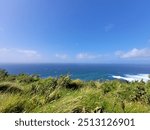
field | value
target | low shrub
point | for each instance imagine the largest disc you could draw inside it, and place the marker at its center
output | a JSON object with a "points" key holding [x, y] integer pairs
{"points": [[9, 88]]}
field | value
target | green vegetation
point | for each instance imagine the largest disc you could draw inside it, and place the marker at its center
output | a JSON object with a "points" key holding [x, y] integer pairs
{"points": [[30, 93]]}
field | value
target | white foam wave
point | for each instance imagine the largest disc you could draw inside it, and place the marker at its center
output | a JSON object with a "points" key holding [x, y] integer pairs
{"points": [[130, 78]]}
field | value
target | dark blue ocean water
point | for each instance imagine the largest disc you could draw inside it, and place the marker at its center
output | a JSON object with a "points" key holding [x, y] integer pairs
{"points": [[80, 71]]}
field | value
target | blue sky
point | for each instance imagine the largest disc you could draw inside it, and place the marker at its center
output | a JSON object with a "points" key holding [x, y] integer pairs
{"points": [[75, 31]]}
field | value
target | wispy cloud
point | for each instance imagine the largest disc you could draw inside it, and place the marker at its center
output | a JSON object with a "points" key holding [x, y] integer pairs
{"points": [[4, 50], [61, 56], [87, 56], [109, 27], [134, 53], [29, 53], [18, 55]]}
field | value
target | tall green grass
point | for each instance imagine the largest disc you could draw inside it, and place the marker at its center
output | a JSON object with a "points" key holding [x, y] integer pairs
{"points": [[30, 93]]}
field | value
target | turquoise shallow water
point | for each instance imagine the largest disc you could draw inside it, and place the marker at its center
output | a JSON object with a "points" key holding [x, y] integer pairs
{"points": [[80, 71]]}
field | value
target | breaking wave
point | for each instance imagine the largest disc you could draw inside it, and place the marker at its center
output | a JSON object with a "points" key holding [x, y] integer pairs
{"points": [[130, 78]]}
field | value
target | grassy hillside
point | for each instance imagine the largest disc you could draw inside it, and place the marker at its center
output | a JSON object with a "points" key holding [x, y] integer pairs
{"points": [[30, 93]]}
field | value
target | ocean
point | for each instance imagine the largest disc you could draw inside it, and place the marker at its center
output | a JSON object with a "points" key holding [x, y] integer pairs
{"points": [[129, 72]]}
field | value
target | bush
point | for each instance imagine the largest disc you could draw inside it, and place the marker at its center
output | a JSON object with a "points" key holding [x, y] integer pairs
{"points": [[16, 107], [9, 87], [11, 78], [25, 78], [92, 84], [64, 81], [3, 74], [139, 93], [44, 86], [75, 84]]}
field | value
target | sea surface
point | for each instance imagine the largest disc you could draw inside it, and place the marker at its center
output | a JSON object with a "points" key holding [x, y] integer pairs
{"points": [[129, 72]]}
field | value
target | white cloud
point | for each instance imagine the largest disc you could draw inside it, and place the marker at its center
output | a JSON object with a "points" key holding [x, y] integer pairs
{"points": [[134, 53], [109, 27], [87, 56], [61, 56], [29, 53], [3, 50], [18, 55], [84, 56]]}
